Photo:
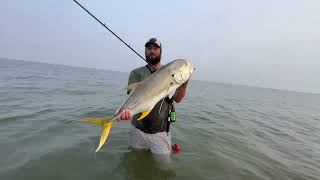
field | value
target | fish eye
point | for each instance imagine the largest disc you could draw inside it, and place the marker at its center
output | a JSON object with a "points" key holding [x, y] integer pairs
{"points": [[172, 75]]}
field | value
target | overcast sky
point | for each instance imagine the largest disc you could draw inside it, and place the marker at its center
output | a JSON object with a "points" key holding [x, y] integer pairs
{"points": [[266, 43]]}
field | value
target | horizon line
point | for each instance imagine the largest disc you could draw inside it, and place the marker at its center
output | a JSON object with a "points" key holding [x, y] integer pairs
{"points": [[202, 80]]}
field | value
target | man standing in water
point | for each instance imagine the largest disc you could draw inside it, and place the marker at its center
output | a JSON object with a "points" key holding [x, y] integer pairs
{"points": [[152, 132]]}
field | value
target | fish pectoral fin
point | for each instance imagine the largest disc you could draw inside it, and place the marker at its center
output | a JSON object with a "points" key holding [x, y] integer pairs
{"points": [[106, 126], [171, 94], [132, 86], [144, 114]]}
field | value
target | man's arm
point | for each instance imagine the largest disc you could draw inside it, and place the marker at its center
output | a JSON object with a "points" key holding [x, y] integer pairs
{"points": [[180, 92]]}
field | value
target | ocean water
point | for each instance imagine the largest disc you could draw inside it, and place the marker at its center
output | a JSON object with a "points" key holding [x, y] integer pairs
{"points": [[225, 131]]}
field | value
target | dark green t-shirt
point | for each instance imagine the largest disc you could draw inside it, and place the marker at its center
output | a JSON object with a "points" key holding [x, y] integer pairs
{"points": [[138, 75]]}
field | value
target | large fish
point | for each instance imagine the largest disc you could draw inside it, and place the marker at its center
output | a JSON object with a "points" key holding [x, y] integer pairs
{"points": [[147, 93]]}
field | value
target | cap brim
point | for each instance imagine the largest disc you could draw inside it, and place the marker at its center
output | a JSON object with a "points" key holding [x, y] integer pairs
{"points": [[148, 43]]}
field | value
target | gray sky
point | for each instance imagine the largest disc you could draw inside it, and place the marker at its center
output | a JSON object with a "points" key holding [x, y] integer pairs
{"points": [[266, 43]]}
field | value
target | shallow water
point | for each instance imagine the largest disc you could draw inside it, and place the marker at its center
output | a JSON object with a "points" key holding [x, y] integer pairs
{"points": [[225, 131]]}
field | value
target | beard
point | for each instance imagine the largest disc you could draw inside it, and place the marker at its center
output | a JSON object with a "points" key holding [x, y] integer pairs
{"points": [[153, 60]]}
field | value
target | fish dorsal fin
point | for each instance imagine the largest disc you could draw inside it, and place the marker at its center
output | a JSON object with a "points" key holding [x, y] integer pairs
{"points": [[132, 86]]}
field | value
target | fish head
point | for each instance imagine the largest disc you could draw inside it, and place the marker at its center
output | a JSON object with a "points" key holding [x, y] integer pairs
{"points": [[181, 70]]}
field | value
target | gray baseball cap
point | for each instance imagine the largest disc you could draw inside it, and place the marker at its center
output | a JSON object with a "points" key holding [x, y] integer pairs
{"points": [[153, 40]]}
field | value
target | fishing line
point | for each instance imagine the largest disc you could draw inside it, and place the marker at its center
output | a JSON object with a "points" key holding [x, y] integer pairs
{"points": [[113, 33]]}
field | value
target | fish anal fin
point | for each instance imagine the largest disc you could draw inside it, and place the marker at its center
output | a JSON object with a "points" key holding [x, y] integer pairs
{"points": [[132, 86], [144, 114]]}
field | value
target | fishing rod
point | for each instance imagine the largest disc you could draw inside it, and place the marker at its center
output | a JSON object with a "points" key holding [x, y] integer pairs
{"points": [[113, 33]]}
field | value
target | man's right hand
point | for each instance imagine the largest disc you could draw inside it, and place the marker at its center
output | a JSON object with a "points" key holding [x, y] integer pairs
{"points": [[125, 114]]}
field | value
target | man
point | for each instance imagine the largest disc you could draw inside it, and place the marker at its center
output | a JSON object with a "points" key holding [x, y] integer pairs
{"points": [[152, 132]]}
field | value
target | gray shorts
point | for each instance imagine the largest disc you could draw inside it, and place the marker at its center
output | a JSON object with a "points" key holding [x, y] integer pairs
{"points": [[158, 143]]}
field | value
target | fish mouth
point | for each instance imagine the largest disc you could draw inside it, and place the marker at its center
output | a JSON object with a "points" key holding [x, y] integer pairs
{"points": [[191, 67]]}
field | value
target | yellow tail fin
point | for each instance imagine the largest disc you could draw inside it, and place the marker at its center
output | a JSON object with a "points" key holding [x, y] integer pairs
{"points": [[105, 125]]}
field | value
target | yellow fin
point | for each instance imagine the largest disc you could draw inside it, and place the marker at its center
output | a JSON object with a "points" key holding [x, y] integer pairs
{"points": [[93, 120], [144, 114], [106, 126], [132, 86]]}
